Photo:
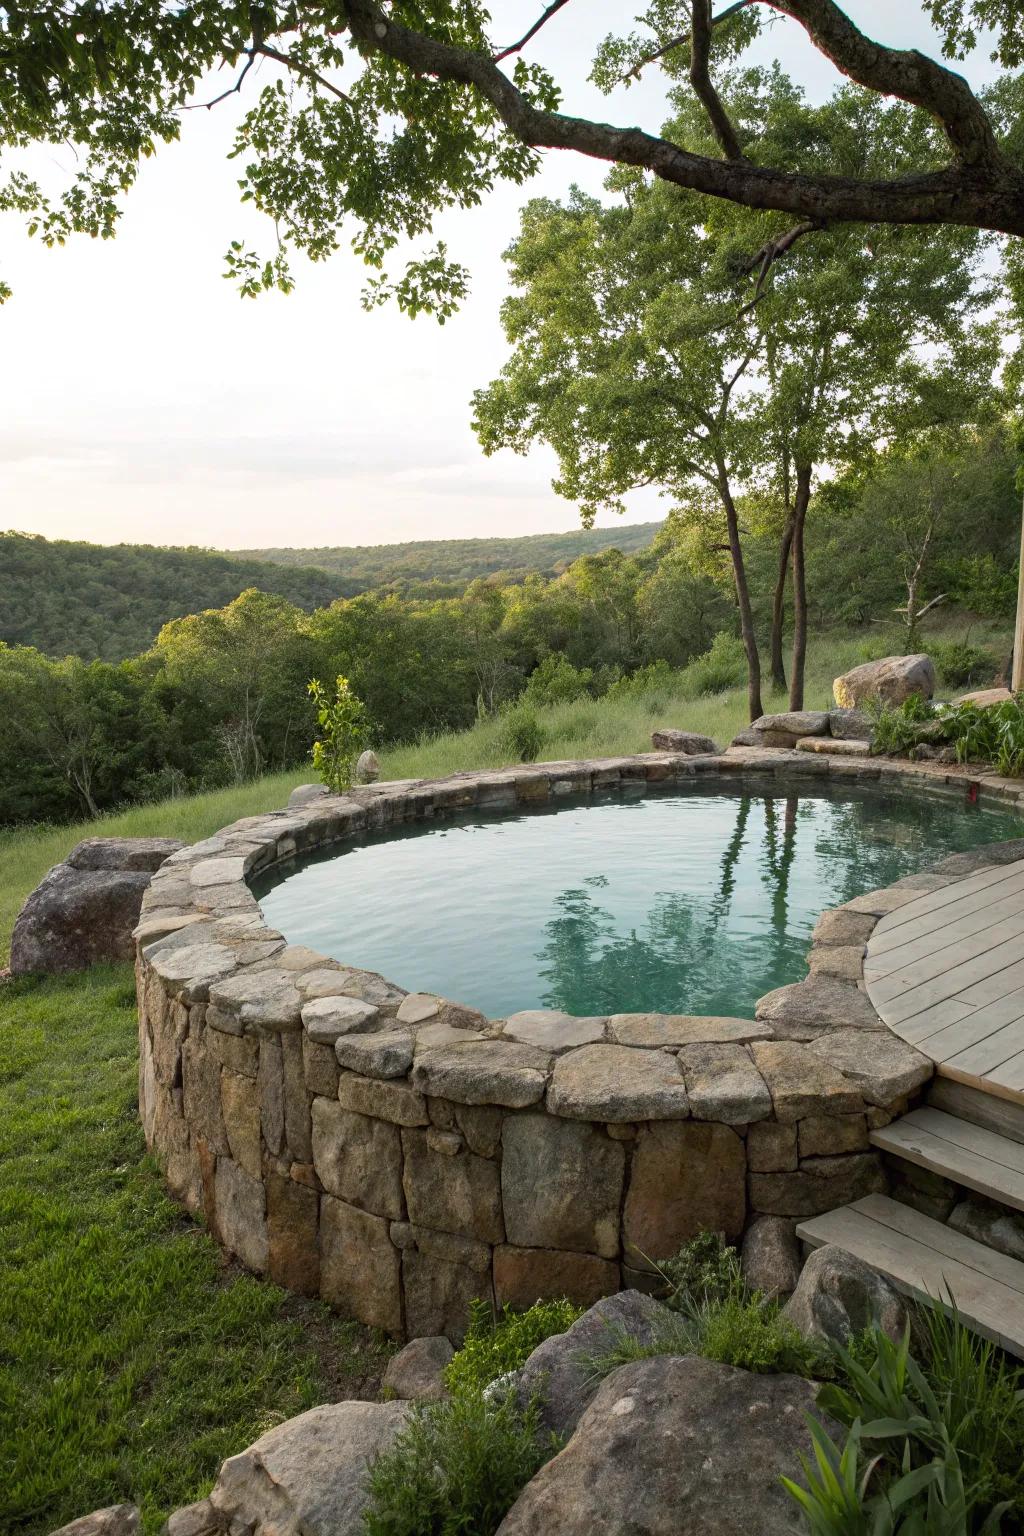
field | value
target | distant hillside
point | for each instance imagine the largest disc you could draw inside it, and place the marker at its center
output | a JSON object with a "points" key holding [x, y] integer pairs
{"points": [[110, 601], [454, 562]]}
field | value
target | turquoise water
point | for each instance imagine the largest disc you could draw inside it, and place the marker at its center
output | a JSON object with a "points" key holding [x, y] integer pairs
{"points": [[673, 902]]}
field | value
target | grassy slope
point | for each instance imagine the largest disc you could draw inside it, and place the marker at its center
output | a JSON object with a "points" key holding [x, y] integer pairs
{"points": [[132, 1361]]}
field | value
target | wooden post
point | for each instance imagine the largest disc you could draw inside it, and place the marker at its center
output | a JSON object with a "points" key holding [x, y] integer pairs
{"points": [[1017, 677]]}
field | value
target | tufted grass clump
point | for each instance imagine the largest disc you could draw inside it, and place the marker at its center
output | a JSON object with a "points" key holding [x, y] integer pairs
{"points": [[717, 1316], [494, 1346]]}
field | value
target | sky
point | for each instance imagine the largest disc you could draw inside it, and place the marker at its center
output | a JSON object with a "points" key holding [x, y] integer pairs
{"points": [[142, 400]]}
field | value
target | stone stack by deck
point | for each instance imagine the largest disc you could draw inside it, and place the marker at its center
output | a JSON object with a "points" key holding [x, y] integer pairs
{"points": [[399, 1154]]}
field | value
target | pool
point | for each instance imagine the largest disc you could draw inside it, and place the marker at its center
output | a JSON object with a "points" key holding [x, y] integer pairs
{"points": [[678, 901]]}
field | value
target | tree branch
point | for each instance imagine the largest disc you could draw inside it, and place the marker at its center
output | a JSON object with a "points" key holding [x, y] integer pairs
{"points": [[556, 5], [904, 73], [260, 50], [985, 195], [700, 79]]}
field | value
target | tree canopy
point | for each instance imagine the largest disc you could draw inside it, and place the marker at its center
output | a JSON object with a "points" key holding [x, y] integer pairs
{"points": [[381, 115]]}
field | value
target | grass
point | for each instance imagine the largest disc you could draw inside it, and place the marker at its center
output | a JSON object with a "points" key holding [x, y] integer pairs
{"points": [[132, 1359]]}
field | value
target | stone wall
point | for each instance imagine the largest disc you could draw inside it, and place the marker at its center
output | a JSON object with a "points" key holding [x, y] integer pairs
{"points": [[399, 1154]]}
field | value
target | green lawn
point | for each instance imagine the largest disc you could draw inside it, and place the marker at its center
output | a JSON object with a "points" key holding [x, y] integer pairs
{"points": [[132, 1360]]}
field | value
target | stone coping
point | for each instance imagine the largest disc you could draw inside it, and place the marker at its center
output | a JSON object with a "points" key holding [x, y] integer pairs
{"points": [[367, 1143]]}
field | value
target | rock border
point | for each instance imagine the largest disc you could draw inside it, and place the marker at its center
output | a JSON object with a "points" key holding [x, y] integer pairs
{"points": [[399, 1154]]}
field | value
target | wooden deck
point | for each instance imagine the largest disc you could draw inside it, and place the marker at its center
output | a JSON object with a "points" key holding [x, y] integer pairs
{"points": [[946, 973]]}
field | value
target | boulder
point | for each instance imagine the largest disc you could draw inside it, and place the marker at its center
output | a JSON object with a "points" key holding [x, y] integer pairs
{"points": [[796, 722], [676, 1446], [891, 680], [307, 1477], [115, 1520], [416, 1373], [84, 910], [559, 1370], [306, 794], [838, 1296], [690, 743], [771, 1256], [850, 725], [985, 698], [992, 1225], [367, 768], [803, 1010]]}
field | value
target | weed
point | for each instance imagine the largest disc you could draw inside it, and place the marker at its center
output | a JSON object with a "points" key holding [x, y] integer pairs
{"points": [[494, 1346]]}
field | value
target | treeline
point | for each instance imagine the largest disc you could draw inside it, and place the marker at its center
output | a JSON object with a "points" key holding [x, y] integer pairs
{"points": [[108, 602], [222, 695], [454, 563]]}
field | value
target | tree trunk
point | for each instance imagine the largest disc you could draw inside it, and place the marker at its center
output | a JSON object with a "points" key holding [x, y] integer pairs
{"points": [[779, 606], [742, 597], [800, 504]]}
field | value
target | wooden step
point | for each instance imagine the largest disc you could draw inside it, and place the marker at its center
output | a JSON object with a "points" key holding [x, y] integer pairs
{"points": [[925, 1259], [981, 1108], [980, 1159], [969, 1154]]}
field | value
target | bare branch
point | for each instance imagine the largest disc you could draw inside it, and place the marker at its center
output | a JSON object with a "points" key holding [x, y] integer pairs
{"points": [[700, 79], [260, 50], [556, 5], [988, 194], [682, 40]]}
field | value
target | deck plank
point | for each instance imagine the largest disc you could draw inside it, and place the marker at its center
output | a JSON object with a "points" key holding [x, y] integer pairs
{"points": [[972, 914], [926, 1259], [931, 901], [981, 1160]]}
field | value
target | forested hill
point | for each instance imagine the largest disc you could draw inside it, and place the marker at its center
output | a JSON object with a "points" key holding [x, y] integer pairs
{"points": [[111, 601], [453, 563]]}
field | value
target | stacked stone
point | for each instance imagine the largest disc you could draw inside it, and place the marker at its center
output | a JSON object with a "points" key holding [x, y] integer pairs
{"points": [[399, 1154]]}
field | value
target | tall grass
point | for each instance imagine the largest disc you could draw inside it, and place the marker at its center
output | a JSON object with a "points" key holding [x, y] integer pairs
{"points": [[605, 727]]}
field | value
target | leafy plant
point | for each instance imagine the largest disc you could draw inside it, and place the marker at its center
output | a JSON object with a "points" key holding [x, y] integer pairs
{"points": [[345, 728], [945, 1438], [898, 727], [960, 663], [646, 683], [993, 735], [521, 736], [706, 1270], [493, 1346], [456, 1468]]}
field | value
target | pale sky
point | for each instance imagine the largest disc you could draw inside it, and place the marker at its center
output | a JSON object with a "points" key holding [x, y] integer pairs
{"points": [[141, 399]]}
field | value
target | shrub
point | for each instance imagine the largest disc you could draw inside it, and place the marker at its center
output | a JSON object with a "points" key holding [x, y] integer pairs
{"points": [[556, 681], [521, 735], [493, 1346], [959, 663], [658, 678], [723, 666], [706, 1270], [345, 731], [456, 1468]]}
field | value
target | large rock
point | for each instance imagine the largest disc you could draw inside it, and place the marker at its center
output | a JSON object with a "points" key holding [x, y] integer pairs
{"points": [[367, 768], [416, 1373], [992, 1225], [795, 722], [115, 1520], [307, 1477], [615, 1083], [690, 743], [675, 1446], [891, 680], [803, 1010], [771, 1256], [839, 1295], [83, 911], [985, 698], [559, 1371], [850, 725]]}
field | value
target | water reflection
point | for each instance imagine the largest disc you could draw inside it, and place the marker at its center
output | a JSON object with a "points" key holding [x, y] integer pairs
{"points": [[693, 901]]}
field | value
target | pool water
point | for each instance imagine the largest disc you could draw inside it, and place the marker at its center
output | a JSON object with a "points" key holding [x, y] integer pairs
{"points": [[674, 902]]}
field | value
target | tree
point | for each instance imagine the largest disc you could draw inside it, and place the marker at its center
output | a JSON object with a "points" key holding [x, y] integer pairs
{"points": [[438, 111], [631, 359]]}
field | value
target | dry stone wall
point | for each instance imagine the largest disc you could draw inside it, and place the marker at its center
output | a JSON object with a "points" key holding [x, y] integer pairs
{"points": [[399, 1154]]}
